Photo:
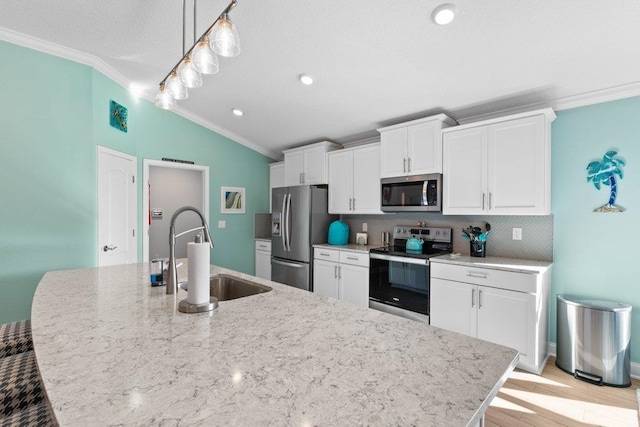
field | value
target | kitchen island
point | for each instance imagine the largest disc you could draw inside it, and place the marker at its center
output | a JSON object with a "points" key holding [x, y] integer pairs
{"points": [[112, 350]]}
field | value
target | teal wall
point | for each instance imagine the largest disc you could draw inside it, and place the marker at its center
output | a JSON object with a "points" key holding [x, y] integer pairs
{"points": [[594, 254], [53, 114]]}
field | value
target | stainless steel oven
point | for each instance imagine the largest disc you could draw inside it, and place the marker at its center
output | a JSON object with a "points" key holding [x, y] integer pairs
{"points": [[399, 277], [418, 193]]}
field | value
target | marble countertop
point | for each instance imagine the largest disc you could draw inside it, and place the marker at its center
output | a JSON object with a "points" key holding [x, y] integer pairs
{"points": [[352, 247], [496, 263], [262, 239], [112, 350]]}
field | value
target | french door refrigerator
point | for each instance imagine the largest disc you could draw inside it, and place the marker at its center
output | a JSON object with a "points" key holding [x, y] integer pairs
{"points": [[299, 220]]}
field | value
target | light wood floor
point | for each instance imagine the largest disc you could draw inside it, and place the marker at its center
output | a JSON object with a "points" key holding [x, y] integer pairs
{"points": [[557, 399]]}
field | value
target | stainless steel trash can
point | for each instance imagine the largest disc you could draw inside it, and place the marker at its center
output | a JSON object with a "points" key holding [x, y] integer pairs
{"points": [[593, 340]]}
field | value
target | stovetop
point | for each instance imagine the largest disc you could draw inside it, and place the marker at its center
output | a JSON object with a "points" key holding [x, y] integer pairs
{"points": [[437, 241], [426, 252]]}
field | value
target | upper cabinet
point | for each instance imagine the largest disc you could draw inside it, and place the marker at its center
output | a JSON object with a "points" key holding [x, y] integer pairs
{"points": [[276, 178], [499, 167], [276, 175], [354, 180], [413, 148], [307, 165]]}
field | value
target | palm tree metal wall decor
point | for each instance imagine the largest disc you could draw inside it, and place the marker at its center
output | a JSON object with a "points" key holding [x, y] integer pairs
{"points": [[605, 172]]}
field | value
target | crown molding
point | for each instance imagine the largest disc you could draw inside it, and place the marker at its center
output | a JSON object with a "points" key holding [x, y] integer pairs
{"points": [[566, 103], [110, 72], [359, 142]]}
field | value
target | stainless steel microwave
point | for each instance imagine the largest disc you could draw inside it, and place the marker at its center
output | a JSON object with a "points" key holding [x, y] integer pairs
{"points": [[416, 193]]}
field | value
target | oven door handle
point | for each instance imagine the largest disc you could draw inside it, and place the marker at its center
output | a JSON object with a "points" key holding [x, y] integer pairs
{"points": [[406, 260]]}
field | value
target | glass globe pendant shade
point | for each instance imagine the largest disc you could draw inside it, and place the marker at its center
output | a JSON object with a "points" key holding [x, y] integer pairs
{"points": [[187, 76], [174, 88], [203, 59], [164, 100], [224, 38]]}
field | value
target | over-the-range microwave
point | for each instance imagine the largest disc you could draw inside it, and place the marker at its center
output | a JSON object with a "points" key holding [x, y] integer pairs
{"points": [[416, 193]]}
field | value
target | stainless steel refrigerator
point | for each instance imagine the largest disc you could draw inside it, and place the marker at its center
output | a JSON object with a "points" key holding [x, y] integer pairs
{"points": [[299, 220]]}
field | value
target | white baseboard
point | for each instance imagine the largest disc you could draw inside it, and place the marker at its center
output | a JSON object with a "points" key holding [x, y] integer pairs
{"points": [[635, 367]]}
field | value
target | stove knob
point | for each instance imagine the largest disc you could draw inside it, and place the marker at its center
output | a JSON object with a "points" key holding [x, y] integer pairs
{"points": [[437, 233]]}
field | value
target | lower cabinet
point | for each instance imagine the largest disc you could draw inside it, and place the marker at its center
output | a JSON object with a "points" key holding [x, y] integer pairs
{"points": [[508, 308], [342, 275], [263, 259]]}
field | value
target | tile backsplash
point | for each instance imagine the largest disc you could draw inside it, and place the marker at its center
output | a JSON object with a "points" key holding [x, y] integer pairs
{"points": [[536, 243]]}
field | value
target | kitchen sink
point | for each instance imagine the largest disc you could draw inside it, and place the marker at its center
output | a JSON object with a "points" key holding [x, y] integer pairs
{"points": [[225, 287]]}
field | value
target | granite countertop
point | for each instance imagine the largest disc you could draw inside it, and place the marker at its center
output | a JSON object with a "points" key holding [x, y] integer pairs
{"points": [[352, 247], [112, 350], [263, 239], [496, 263]]}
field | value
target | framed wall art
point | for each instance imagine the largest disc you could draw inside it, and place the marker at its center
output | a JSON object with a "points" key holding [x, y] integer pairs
{"points": [[232, 200], [118, 116]]}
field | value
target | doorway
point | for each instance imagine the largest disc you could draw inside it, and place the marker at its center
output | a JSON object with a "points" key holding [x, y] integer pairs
{"points": [[169, 186], [117, 207]]}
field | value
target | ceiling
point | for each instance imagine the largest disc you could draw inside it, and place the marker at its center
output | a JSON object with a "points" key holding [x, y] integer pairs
{"points": [[375, 62]]}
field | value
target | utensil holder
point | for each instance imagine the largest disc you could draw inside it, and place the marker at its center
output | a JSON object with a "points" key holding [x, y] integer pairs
{"points": [[478, 249]]}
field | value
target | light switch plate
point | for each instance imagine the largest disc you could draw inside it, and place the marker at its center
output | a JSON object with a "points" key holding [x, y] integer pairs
{"points": [[222, 224]]}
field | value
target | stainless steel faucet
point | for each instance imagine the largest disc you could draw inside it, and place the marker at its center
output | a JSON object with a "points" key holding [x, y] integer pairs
{"points": [[172, 273]]}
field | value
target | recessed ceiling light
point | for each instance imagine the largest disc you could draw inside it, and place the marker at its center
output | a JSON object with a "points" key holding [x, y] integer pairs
{"points": [[237, 112], [444, 14], [305, 79]]}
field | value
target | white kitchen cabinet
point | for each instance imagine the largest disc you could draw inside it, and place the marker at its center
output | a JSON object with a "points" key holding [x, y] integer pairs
{"points": [[342, 274], [507, 308], [263, 259], [499, 167], [325, 278], [276, 178], [413, 148], [354, 180], [307, 165]]}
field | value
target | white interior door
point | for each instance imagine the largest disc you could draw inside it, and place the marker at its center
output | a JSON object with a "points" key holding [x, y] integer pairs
{"points": [[117, 206]]}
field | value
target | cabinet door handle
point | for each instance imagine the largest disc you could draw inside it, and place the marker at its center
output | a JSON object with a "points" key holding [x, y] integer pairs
{"points": [[352, 258], [482, 201], [479, 299], [409, 164], [350, 203], [339, 272], [354, 204], [335, 272], [324, 254], [473, 297], [263, 246], [304, 177], [404, 165], [489, 200], [477, 275]]}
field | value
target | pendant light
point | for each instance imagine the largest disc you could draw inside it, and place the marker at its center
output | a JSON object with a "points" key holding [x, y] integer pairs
{"points": [[175, 89], [187, 76], [221, 37], [164, 100], [224, 38], [203, 59]]}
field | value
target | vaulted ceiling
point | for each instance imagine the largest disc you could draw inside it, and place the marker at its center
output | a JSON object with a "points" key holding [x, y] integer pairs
{"points": [[375, 62]]}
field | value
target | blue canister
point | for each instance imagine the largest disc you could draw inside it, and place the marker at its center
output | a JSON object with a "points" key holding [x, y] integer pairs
{"points": [[338, 233]]}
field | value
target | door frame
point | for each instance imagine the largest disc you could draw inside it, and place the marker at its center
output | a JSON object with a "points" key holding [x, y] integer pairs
{"points": [[146, 164], [101, 149]]}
